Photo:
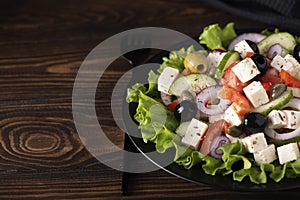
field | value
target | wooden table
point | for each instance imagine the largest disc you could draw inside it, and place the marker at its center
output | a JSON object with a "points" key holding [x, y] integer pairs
{"points": [[43, 44]]}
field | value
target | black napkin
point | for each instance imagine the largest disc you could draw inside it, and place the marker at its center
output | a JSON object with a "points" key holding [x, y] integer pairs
{"points": [[283, 14]]}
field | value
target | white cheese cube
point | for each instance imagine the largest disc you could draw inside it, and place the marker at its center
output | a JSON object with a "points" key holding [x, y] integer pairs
{"points": [[245, 70], [214, 58], [288, 63], [256, 94], [292, 60], [288, 152], [296, 91], [243, 47], [231, 116], [277, 119], [293, 119], [255, 142], [194, 133], [266, 155], [166, 78], [278, 62]]}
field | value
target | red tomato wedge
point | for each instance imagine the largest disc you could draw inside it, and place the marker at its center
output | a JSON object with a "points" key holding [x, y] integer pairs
{"points": [[249, 54], [232, 80], [238, 98], [267, 86], [214, 130], [272, 76], [173, 105], [288, 79]]}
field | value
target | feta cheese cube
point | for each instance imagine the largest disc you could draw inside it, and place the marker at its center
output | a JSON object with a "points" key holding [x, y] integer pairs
{"points": [[214, 58], [291, 59], [243, 47], [255, 142], [288, 63], [278, 62], [266, 155], [277, 119], [256, 94], [245, 70], [231, 116], [288, 152], [293, 119], [296, 91], [194, 133], [166, 78]]}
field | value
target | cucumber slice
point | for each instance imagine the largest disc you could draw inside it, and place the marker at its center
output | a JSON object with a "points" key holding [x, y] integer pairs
{"points": [[286, 40], [276, 104], [182, 128], [228, 59], [193, 83]]}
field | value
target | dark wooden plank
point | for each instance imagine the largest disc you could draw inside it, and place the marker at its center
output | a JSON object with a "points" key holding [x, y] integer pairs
{"points": [[43, 44]]}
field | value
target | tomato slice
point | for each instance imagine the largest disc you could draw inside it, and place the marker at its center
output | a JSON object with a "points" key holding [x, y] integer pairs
{"points": [[267, 86], [288, 79], [214, 130], [249, 54], [272, 76], [229, 78], [186, 71], [173, 105], [238, 98]]}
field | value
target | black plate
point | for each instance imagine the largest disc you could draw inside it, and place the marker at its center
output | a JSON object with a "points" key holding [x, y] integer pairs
{"points": [[195, 174]]}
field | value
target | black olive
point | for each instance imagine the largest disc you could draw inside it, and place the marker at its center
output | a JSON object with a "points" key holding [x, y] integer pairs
{"points": [[261, 63], [185, 111], [296, 52], [253, 46], [255, 122]]}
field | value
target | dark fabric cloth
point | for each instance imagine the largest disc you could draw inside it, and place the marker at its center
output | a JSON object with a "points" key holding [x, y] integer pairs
{"points": [[284, 14]]}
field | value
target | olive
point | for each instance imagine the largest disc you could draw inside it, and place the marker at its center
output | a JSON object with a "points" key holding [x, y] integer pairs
{"points": [[235, 131], [261, 63], [296, 52], [196, 62], [253, 46], [185, 111], [255, 122], [277, 90]]}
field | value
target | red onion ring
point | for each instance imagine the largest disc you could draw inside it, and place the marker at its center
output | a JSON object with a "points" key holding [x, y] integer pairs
{"points": [[208, 94], [216, 144], [294, 103], [255, 37]]}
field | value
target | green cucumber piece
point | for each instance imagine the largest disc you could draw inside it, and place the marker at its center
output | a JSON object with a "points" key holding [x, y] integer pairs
{"points": [[276, 104], [285, 39], [193, 83], [182, 128], [230, 57]]}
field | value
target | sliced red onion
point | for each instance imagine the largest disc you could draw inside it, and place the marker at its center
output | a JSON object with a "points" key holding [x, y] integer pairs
{"points": [[294, 103], [255, 37], [210, 94], [166, 98], [216, 144], [274, 50]]}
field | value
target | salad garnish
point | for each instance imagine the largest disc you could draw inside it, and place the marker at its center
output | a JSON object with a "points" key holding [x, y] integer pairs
{"points": [[233, 109]]}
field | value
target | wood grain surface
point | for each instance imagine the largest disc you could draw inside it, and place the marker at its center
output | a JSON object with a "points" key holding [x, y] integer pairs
{"points": [[43, 44]]}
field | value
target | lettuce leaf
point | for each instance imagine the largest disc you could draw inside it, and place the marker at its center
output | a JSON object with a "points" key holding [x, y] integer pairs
{"points": [[214, 37], [176, 59]]}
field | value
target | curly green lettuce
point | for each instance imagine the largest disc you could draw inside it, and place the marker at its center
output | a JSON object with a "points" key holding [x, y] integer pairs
{"points": [[214, 37]]}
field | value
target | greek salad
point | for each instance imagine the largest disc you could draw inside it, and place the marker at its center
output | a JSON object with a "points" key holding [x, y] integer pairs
{"points": [[233, 108]]}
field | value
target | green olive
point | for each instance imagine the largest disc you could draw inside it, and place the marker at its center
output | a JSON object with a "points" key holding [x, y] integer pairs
{"points": [[196, 62], [277, 90], [234, 131]]}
